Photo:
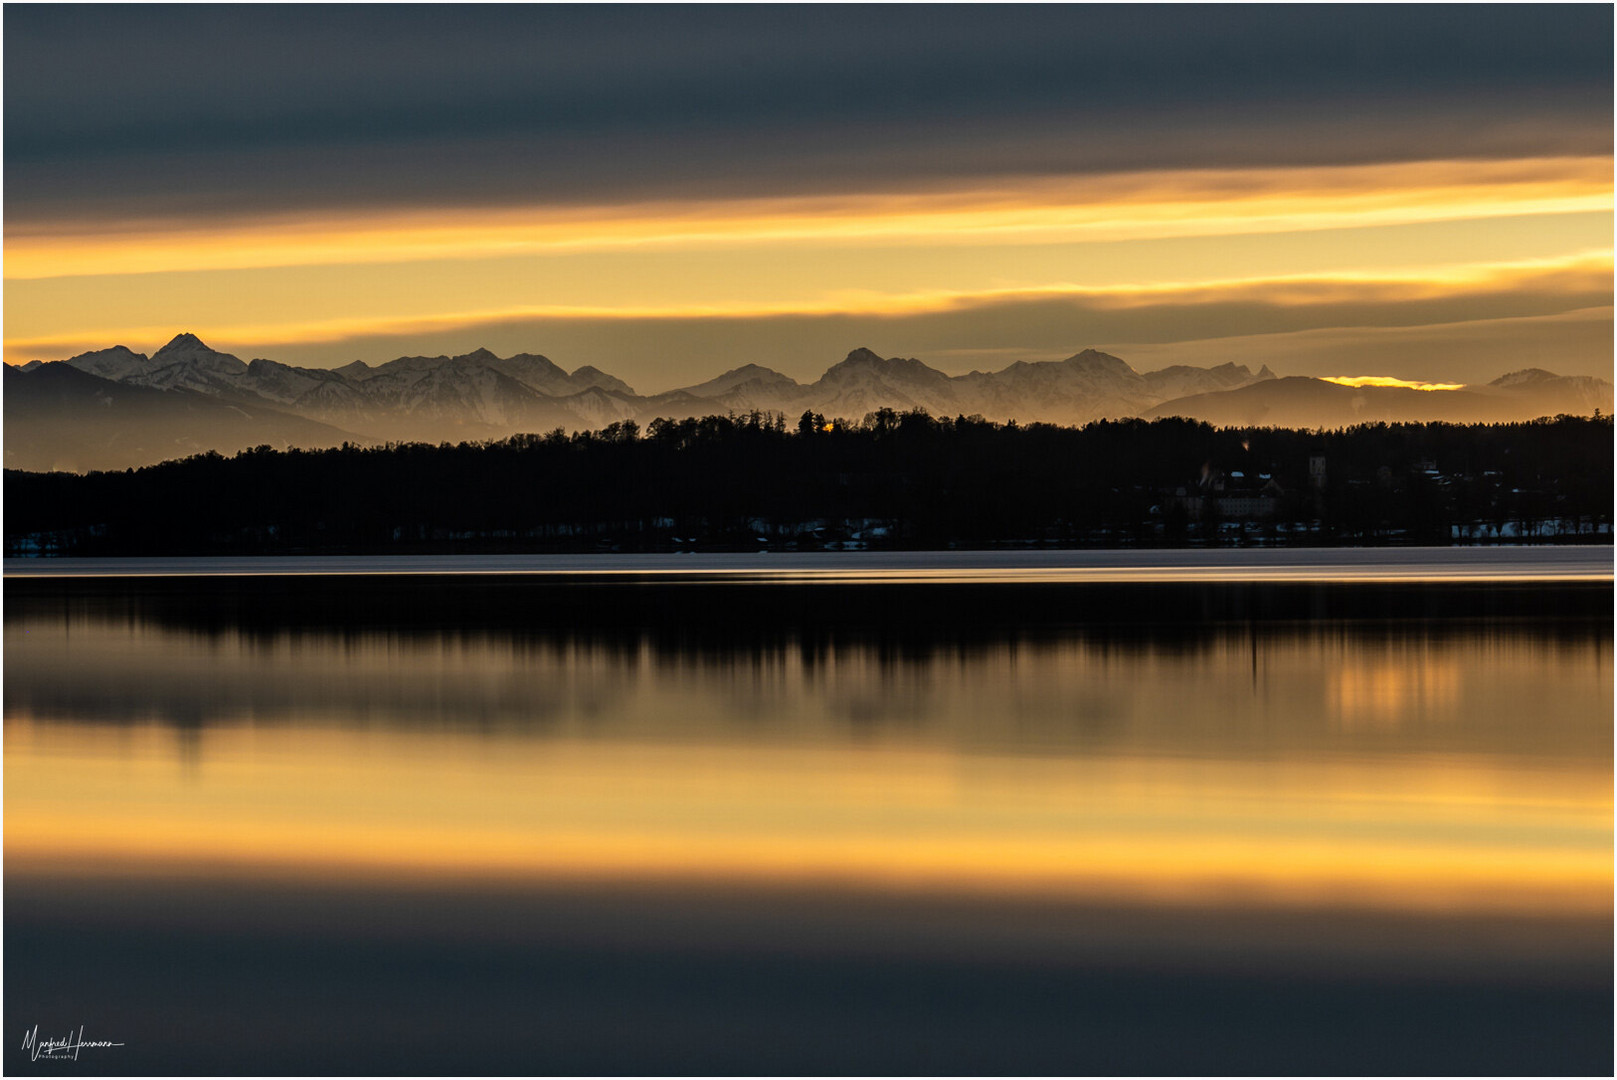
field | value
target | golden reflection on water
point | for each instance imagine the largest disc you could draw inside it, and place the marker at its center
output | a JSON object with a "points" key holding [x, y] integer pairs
{"points": [[1427, 833], [1462, 771], [1387, 694]]}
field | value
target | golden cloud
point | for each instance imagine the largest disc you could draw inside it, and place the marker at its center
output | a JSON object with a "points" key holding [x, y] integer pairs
{"points": [[1032, 210], [1574, 275]]}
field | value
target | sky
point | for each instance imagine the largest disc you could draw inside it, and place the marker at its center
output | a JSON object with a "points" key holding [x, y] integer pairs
{"points": [[669, 192]]}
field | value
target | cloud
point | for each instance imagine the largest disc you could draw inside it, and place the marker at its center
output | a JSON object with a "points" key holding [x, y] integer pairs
{"points": [[1576, 342], [327, 76], [666, 192], [325, 106], [1022, 210], [1433, 320]]}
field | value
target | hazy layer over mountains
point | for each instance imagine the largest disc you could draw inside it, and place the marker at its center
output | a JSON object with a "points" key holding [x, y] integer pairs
{"points": [[115, 408]]}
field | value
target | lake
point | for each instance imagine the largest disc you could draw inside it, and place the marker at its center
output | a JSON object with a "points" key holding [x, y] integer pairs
{"points": [[962, 812], [1413, 564]]}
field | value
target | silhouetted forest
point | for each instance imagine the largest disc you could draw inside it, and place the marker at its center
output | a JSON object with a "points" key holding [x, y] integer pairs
{"points": [[892, 480]]}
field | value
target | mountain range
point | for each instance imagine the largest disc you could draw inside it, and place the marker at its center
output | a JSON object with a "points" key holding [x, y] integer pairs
{"points": [[115, 408]]}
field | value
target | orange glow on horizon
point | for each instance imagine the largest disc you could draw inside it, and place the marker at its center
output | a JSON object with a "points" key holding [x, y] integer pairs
{"points": [[1388, 381]]}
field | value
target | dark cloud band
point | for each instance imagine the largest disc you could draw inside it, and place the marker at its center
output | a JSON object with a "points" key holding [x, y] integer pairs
{"points": [[149, 110]]}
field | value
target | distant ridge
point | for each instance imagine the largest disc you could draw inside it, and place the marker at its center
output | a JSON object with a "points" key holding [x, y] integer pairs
{"points": [[1299, 402], [60, 418], [480, 395]]}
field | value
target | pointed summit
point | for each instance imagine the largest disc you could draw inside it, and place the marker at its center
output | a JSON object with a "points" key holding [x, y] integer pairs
{"points": [[183, 343], [865, 360], [188, 362], [865, 381]]}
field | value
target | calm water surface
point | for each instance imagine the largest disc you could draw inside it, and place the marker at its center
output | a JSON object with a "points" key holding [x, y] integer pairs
{"points": [[524, 824], [1413, 564]]}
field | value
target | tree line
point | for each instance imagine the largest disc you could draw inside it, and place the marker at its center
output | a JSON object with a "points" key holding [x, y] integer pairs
{"points": [[901, 479]]}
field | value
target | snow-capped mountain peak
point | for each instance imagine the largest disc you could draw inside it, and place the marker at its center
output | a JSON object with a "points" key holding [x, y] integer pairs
{"points": [[185, 363], [119, 363], [862, 363], [745, 375], [189, 351], [480, 395], [1095, 360]]}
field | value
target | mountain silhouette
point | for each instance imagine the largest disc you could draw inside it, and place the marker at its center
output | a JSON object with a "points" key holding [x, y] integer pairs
{"points": [[480, 395]]}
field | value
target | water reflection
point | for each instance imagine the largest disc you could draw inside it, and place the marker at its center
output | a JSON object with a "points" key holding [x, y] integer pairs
{"points": [[890, 830], [1402, 761], [681, 667]]}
